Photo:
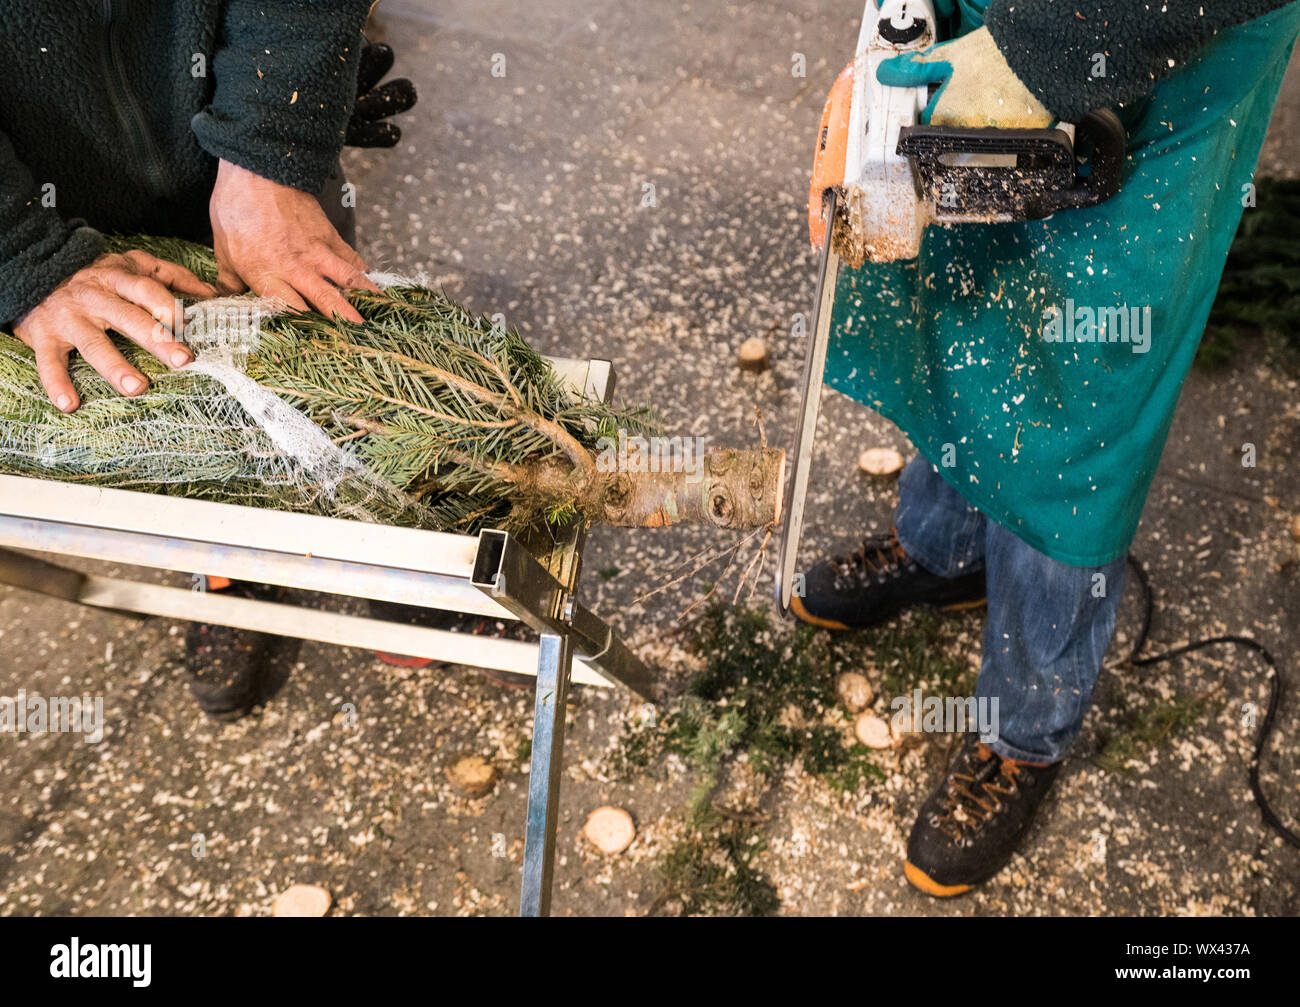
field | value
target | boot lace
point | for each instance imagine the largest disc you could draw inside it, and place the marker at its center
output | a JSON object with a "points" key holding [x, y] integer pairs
{"points": [[977, 791], [878, 558]]}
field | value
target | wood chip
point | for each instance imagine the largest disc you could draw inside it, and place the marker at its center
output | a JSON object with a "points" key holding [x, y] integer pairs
{"points": [[880, 461], [473, 775], [610, 830], [1295, 527], [873, 732], [854, 691], [302, 900], [752, 355]]}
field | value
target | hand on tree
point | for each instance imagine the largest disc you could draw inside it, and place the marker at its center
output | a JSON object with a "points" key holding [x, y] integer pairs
{"points": [[134, 294], [277, 241]]}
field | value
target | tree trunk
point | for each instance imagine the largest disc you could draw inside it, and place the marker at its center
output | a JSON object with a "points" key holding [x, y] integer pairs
{"points": [[730, 489]]}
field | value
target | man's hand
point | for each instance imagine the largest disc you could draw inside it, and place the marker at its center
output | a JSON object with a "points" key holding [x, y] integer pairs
{"points": [[977, 87], [277, 241], [133, 294]]}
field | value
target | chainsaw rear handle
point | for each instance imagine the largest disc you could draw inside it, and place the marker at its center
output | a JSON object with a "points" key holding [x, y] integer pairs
{"points": [[1042, 179], [1109, 148]]}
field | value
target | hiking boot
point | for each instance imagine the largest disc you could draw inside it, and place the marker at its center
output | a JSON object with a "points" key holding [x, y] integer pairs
{"points": [[968, 829], [226, 665], [877, 582]]}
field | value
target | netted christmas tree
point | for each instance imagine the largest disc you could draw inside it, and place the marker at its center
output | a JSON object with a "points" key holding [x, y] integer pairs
{"points": [[423, 415]]}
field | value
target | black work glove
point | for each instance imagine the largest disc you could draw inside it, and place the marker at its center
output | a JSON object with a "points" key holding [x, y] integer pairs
{"points": [[366, 128]]}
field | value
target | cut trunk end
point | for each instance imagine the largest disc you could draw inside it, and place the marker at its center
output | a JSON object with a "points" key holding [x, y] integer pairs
{"points": [[731, 489]]}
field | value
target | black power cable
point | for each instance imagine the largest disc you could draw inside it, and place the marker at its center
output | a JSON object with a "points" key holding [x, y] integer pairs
{"points": [[1275, 697]]}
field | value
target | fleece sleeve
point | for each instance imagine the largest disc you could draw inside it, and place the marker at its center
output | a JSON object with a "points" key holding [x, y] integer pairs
{"points": [[38, 248], [1054, 46], [285, 74]]}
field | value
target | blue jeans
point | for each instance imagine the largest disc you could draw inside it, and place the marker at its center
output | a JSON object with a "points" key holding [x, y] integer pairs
{"points": [[1048, 626]]}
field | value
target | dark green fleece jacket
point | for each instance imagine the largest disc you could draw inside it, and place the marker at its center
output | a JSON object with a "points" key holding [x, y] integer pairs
{"points": [[113, 114], [1052, 45]]}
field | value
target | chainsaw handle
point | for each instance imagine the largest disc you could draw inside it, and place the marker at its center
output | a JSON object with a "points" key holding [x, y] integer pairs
{"points": [[1042, 178], [1109, 146]]}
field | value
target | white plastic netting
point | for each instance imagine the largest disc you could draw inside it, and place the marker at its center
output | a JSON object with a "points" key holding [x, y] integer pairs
{"points": [[207, 430]]}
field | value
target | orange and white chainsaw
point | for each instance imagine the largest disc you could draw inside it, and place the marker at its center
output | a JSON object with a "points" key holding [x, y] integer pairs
{"points": [[881, 177]]}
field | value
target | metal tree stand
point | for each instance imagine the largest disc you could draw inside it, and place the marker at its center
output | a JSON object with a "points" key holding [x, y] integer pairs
{"points": [[493, 574]]}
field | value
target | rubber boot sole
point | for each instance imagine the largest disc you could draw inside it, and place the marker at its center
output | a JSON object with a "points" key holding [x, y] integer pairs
{"points": [[797, 607], [506, 679], [402, 660], [923, 882]]}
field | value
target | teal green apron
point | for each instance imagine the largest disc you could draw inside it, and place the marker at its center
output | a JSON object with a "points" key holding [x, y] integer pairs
{"points": [[1038, 364]]}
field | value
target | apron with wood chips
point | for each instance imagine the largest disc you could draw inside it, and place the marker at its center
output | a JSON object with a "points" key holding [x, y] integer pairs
{"points": [[1038, 364]]}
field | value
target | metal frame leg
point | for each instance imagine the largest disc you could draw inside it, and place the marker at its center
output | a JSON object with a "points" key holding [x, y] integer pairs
{"points": [[554, 661], [511, 576]]}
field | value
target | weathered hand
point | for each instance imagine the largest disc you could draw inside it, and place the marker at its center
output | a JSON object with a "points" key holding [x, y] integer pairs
{"points": [[977, 87], [277, 241], [134, 294]]}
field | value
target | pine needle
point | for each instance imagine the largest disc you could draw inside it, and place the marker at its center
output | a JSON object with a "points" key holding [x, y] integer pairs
{"points": [[435, 410]]}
